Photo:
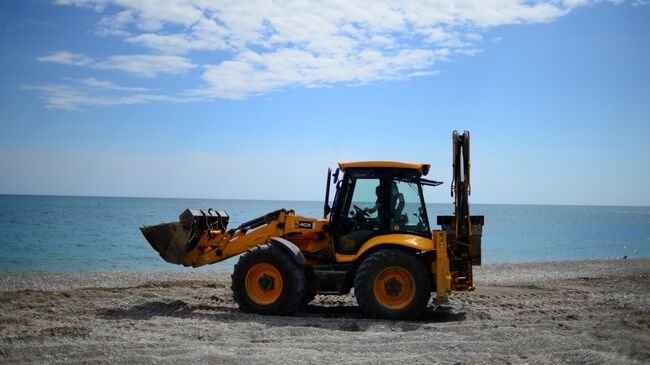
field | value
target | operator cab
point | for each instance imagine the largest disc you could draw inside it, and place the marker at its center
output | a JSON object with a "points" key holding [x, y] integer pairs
{"points": [[378, 198]]}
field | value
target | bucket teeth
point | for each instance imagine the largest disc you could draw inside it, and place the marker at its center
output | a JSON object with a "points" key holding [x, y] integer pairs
{"points": [[169, 240]]}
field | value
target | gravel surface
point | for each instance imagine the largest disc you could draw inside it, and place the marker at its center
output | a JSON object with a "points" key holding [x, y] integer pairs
{"points": [[554, 312]]}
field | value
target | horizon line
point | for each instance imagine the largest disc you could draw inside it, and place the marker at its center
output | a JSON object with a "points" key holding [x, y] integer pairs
{"points": [[294, 200]]}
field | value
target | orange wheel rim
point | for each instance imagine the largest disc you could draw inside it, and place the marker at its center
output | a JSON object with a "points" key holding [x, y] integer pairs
{"points": [[263, 283], [394, 287]]}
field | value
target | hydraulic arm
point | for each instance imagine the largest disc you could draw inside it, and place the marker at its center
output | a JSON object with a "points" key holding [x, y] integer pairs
{"points": [[201, 237]]}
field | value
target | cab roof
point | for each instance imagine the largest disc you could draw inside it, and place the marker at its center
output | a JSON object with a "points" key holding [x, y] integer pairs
{"points": [[423, 168]]}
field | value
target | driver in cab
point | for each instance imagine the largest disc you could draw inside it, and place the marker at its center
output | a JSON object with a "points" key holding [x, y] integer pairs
{"points": [[396, 202]]}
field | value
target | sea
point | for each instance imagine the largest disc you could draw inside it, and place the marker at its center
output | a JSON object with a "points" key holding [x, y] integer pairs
{"points": [[101, 234]]}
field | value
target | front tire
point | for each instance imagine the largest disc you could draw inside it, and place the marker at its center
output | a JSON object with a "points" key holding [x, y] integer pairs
{"points": [[393, 284], [268, 281]]}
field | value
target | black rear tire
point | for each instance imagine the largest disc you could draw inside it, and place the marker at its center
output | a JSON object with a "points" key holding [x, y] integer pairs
{"points": [[393, 284], [266, 280]]}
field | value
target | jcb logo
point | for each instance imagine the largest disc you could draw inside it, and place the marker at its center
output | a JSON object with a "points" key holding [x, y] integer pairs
{"points": [[306, 225]]}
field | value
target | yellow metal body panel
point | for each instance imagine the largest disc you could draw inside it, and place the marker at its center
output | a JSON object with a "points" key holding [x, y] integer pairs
{"points": [[422, 167], [441, 267], [400, 239], [215, 246], [344, 258], [308, 234]]}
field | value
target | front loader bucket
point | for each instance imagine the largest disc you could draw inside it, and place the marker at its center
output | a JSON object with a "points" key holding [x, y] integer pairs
{"points": [[174, 240], [169, 239]]}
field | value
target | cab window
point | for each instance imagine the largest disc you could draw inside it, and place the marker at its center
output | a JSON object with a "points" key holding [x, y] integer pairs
{"points": [[408, 210]]}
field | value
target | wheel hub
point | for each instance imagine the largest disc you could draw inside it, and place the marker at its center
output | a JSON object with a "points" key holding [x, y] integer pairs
{"points": [[393, 287], [266, 283]]}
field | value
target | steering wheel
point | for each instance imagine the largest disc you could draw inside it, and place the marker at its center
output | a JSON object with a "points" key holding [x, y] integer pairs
{"points": [[360, 211]]}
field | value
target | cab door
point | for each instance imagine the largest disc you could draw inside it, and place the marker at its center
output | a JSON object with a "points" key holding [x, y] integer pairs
{"points": [[358, 211]]}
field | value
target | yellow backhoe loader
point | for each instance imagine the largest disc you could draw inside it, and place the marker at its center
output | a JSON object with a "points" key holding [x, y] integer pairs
{"points": [[374, 238]]}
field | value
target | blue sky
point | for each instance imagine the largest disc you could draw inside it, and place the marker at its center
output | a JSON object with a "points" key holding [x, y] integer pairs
{"points": [[248, 100]]}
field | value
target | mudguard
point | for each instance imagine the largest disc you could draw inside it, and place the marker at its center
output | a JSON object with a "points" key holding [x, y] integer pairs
{"points": [[292, 250]]}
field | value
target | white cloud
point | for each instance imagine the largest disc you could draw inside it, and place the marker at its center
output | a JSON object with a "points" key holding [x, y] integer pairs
{"points": [[142, 65], [265, 46], [108, 85], [114, 25], [255, 73], [67, 58], [178, 43], [90, 92], [147, 65], [468, 51], [423, 73]]}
